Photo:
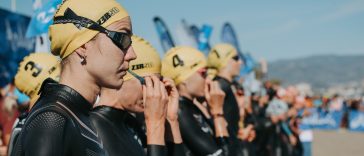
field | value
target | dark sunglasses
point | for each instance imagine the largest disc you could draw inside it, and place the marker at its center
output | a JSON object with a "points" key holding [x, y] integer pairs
{"points": [[202, 72], [120, 39], [236, 58]]}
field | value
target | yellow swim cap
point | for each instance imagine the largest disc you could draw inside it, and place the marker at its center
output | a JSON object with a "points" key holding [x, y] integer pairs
{"points": [[219, 55], [33, 70], [147, 61], [66, 38], [181, 62]]}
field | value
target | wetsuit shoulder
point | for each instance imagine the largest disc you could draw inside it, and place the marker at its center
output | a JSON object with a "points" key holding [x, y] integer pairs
{"points": [[43, 134]]}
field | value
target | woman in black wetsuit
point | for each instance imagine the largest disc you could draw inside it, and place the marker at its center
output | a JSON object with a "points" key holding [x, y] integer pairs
{"points": [[93, 40], [202, 136], [114, 115], [225, 60]]}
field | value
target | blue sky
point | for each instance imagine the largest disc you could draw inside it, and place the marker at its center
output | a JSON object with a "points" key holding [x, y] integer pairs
{"points": [[273, 30]]}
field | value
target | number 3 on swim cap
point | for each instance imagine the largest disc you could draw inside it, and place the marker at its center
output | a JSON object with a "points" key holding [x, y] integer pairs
{"points": [[31, 65]]}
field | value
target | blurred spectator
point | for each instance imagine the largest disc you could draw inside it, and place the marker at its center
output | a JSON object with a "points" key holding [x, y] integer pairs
{"points": [[10, 100], [336, 103], [277, 107], [22, 101], [305, 131]]}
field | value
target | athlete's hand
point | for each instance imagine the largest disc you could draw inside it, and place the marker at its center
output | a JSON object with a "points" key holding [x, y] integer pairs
{"points": [[247, 133], [155, 109], [252, 136], [214, 97], [173, 95], [155, 99], [172, 130]]}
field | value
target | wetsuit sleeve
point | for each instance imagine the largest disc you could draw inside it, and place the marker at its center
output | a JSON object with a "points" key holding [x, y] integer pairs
{"points": [[199, 143], [223, 142], [44, 135], [156, 150], [175, 149]]}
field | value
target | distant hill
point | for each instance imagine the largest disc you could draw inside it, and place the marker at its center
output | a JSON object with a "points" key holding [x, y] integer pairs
{"points": [[319, 71]]}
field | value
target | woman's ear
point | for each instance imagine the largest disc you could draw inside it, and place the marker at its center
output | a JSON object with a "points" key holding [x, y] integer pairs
{"points": [[82, 54]]}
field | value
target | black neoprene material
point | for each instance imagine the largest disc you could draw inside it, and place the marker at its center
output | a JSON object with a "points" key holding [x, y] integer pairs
{"points": [[231, 114], [58, 125], [121, 133], [197, 133]]}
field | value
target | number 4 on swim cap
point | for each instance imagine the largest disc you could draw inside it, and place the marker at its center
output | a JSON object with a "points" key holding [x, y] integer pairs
{"points": [[177, 61]]}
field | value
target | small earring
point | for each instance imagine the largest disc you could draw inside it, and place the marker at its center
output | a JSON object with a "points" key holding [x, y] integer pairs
{"points": [[83, 60]]}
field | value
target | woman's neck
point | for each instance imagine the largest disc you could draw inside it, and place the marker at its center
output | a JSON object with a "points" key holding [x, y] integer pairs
{"points": [[84, 85], [226, 75]]}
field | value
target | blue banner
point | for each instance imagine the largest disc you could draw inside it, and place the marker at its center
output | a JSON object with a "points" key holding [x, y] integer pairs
{"points": [[321, 119], [42, 18], [14, 46], [203, 39], [195, 31], [228, 35], [249, 63], [164, 35], [356, 121]]}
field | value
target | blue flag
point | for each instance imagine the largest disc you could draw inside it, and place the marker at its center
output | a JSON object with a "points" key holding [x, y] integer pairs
{"points": [[42, 18], [249, 63], [164, 35], [228, 35], [13, 44], [203, 39], [195, 31]]}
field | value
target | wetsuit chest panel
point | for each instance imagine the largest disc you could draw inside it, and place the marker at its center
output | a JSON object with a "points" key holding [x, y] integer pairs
{"points": [[118, 137], [201, 120]]}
